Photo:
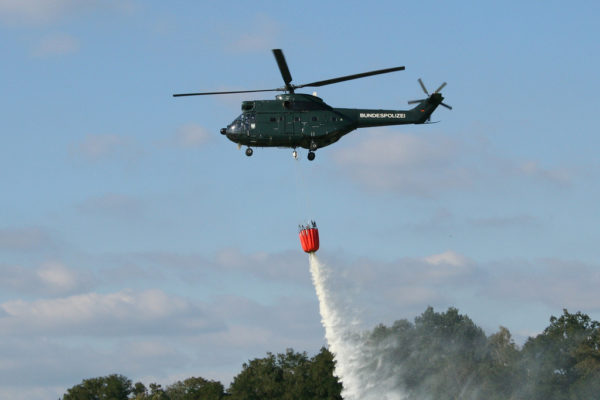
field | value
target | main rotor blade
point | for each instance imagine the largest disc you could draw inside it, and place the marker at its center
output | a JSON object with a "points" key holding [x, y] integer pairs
{"points": [[283, 67], [230, 92], [440, 88], [423, 87], [350, 77]]}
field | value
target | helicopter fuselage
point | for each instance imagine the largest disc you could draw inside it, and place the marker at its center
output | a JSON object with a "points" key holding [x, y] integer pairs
{"points": [[302, 120]]}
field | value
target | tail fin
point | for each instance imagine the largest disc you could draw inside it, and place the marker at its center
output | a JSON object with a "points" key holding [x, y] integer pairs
{"points": [[427, 106]]}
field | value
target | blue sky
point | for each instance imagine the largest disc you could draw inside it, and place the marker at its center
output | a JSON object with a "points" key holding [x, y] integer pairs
{"points": [[135, 239]]}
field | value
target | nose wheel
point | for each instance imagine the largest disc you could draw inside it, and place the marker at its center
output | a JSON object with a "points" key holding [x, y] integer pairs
{"points": [[311, 156], [249, 151]]}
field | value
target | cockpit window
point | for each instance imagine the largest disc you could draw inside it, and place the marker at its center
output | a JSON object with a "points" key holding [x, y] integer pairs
{"points": [[243, 122], [248, 118]]}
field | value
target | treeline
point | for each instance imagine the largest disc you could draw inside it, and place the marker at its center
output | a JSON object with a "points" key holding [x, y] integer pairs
{"points": [[289, 376], [447, 356], [439, 356]]}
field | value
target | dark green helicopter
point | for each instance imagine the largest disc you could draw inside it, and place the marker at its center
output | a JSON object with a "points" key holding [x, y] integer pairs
{"points": [[295, 120]]}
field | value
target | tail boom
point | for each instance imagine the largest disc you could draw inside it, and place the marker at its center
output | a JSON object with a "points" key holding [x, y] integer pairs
{"points": [[367, 118]]}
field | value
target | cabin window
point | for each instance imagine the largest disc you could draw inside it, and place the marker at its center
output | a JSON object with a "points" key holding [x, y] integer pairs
{"points": [[333, 119], [314, 118], [297, 119], [287, 104], [247, 105], [273, 119]]}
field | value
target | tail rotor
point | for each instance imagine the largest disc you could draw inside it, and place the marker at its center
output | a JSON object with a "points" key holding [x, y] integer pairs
{"points": [[434, 97]]}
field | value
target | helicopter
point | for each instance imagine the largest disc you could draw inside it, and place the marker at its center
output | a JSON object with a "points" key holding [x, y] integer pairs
{"points": [[295, 120]]}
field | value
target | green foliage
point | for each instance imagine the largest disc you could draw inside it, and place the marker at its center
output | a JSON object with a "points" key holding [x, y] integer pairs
{"points": [[325, 386], [112, 387], [196, 389], [564, 361], [289, 376], [446, 356], [440, 356], [139, 391], [156, 393]]}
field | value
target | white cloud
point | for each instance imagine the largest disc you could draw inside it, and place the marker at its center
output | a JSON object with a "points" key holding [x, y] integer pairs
{"points": [[557, 176], [57, 277], [449, 257], [406, 286], [44, 11], [94, 314], [282, 267], [113, 205], [43, 368], [149, 332], [52, 360], [414, 296], [10, 391], [386, 149], [555, 283], [191, 135], [448, 264], [429, 164], [384, 291], [99, 147], [33, 11], [51, 278], [405, 163], [286, 267], [57, 44], [25, 239]]}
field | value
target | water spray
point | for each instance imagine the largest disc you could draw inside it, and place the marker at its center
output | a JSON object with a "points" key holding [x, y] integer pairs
{"points": [[342, 342], [358, 365]]}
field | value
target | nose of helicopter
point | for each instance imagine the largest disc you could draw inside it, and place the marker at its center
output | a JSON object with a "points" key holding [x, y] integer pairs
{"points": [[230, 134]]}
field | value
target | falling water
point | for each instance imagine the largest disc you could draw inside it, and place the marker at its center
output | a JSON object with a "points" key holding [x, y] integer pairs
{"points": [[358, 367]]}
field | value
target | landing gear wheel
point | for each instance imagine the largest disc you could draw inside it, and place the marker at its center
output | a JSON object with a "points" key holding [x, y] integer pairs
{"points": [[313, 146], [249, 151], [295, 154], [311, 156]]}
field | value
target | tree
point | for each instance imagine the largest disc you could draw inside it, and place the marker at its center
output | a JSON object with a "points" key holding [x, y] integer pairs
{"points": [[564, 360], [289, 376], [112, 387], [441, 355], [260, 378], [157, 392], [139, 391], [196, 389], [500, 373], [325, 386], [446, 349]]}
